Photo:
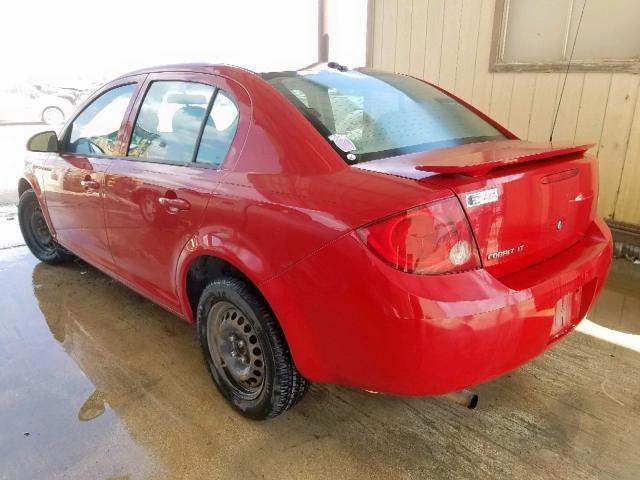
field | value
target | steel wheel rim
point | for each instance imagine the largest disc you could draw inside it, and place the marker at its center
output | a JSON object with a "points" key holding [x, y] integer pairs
{"points": [[40, 230], [235, 349]]}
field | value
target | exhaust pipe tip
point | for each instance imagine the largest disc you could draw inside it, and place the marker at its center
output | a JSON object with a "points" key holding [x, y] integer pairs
{"points": [[466, 398], [473, 401]]}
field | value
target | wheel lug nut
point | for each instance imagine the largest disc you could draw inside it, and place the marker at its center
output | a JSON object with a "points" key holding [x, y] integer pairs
{"points": [[241, 343]]}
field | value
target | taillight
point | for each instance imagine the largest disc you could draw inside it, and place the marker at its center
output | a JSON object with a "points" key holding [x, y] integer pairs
{"points": [[432, 239]]}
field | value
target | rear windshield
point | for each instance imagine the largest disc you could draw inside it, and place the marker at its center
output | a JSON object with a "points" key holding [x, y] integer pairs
{"points": [[368, 115]]}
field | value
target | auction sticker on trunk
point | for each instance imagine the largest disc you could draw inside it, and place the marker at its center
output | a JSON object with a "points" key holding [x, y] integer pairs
{"points": [[482, 197]]}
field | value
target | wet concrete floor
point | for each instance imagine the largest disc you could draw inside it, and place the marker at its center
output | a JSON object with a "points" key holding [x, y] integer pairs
{"points": [[98, 383]]}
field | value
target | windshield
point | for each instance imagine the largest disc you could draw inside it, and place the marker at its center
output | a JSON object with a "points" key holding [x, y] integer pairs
{"points": [[368, 115]]}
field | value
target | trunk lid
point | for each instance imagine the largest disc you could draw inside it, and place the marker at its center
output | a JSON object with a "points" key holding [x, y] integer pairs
{"points": [[525, 201]]}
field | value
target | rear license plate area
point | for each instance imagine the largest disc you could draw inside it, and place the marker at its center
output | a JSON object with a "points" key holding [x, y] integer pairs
{"points": [[566, 313]]}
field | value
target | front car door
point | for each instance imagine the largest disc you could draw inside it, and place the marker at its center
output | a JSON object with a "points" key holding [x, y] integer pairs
{"points": [[179, 132], [74, 181]]}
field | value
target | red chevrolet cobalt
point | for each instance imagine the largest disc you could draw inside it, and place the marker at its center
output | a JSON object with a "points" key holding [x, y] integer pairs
{"points": [[339, 226]]}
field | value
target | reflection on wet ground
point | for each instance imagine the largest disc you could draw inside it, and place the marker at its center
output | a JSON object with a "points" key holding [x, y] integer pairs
{"points": [[618, 307], [10, 235], [97, 382]]}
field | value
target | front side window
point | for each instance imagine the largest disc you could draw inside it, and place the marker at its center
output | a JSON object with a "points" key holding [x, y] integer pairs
{"points": [[170, 120], [95, 130], [369, 115]]}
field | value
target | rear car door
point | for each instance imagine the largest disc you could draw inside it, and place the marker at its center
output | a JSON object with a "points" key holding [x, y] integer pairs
{"points": [[180, 130], [74, 181]]}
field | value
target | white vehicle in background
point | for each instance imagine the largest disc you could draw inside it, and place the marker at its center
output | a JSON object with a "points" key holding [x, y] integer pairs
{"points": [[35, 103]]}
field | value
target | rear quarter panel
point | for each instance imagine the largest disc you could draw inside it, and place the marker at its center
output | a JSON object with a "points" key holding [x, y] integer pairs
{"points": [[263, 224]]}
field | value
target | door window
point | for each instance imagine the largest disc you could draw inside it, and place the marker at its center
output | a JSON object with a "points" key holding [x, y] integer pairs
{"points": [[170, 121], [95, 131], [219, 131]]}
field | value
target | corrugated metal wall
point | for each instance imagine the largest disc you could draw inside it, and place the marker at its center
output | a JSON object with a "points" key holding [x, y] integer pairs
{"points": [[449, 42]]}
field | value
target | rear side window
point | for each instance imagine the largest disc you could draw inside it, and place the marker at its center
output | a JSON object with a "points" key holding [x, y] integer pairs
{"points": [[170, 120], [219, 130], [183, 122], [369, 115], [95, 130]]}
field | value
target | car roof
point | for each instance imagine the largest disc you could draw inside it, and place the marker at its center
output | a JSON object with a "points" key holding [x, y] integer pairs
{"points": [[211, 68], [225, 69]]}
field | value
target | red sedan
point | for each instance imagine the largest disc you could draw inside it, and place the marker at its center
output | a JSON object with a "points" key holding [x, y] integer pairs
{"points": [[331, 225]]}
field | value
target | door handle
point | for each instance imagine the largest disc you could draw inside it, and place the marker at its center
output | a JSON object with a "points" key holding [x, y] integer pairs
{"points": [[89, 184], [174, 205]]}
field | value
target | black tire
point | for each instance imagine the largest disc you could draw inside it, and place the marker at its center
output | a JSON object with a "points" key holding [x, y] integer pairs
{"points": [[281, 385], [36, 232]]}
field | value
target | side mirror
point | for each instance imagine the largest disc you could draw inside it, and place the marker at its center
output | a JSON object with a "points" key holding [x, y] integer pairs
{"points": [[44, 142]]}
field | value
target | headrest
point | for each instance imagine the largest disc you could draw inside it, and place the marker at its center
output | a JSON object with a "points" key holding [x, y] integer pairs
{"points": [[188, 118], [187, 99]]}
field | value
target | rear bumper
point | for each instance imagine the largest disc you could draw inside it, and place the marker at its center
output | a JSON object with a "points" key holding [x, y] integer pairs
{"points": [[352, 320]]}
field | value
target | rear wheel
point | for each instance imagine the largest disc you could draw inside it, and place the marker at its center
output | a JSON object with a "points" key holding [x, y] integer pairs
{"points": [[245, 351], [36, 232]]}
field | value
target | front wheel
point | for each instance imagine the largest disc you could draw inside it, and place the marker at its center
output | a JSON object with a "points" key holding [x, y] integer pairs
{"points": [[245, 351], [36, 232]]}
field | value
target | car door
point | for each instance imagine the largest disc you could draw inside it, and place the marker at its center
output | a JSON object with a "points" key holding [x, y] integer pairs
{"points": [[74, 181], [156, 196]]}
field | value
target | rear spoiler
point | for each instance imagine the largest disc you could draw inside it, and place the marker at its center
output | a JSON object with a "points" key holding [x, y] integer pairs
{"points": [[492, 155]]}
